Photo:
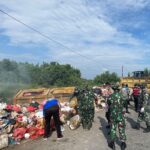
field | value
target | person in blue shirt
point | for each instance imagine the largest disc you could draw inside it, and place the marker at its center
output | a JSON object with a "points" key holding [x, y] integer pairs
{"points": [[51, 108]]}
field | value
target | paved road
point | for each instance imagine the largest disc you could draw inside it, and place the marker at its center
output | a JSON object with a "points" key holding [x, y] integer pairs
{"points": [[95, 139]]}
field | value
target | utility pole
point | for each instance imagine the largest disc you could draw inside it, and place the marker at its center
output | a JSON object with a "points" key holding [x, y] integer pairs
{"points": [[122, 71]]}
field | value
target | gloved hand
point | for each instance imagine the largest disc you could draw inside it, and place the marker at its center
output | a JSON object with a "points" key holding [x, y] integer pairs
{"points": [[142, 110]]}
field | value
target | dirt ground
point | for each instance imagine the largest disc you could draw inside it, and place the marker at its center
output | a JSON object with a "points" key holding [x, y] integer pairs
{"points": [[95, 139]]}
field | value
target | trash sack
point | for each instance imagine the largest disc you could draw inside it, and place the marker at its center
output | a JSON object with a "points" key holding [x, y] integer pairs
{"points": [[16, 108], [33, 132], [14, 114], [19, 118], [24, 119], [104, 105], [40, 123], [24, 110], [74, 122], [3, 106], [63, 118], [18, 133], [40, 132], [73, 103], [31, 108], [66, 109], [9, 107], [3, 141], [39, 114], [26, 135]]}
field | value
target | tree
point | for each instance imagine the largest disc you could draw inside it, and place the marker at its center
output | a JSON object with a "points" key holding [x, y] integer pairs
{"points": [[106, 77], [146, 72]]}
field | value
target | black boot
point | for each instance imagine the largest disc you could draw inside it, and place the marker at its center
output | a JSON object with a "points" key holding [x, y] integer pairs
{"points": [[123, 146], [112, 145], [108, 127], [147, 129], [137, 126]]}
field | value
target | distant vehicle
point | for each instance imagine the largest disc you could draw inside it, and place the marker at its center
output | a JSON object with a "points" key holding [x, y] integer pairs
{"points": [[138, 77]]}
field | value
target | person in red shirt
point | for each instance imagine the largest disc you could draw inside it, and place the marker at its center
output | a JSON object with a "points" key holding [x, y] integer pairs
{"points": [[136, 95]]}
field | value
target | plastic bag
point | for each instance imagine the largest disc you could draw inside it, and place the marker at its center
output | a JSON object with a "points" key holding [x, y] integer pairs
{"points": [[19, 133], [3, 141], [31, 108], [74, 122]]}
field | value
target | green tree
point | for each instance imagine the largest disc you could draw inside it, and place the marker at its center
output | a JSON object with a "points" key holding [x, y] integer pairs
{"points": [[146, 72], [106, 77]]}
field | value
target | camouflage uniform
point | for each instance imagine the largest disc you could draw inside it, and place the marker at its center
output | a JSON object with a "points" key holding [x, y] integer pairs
{"points": [[85, 107], [145, 115], [116, 104]]}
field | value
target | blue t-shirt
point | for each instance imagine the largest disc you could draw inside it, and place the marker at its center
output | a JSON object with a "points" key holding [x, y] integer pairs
{"points": [[50, 103]]}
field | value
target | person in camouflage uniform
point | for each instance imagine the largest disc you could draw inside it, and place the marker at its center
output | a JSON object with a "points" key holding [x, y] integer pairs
{"points": [[116, 103], [144, 113], [85, 107]]}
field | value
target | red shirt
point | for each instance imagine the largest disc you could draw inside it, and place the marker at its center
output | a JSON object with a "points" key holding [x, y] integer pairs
{"points": [[136, 91]]}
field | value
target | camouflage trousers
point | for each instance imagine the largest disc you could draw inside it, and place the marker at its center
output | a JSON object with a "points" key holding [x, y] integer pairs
{"points": [[144, 117], [121, 128], [87, 117]]}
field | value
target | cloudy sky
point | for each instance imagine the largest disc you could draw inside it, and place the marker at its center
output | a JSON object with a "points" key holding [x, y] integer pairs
{"points": [[92, 35]]}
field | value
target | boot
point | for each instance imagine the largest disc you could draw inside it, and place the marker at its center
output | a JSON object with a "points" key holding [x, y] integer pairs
{"points": [[137, 126], [147, 129], [123, 146], [112, 145], [127, 111], [108, 127]]}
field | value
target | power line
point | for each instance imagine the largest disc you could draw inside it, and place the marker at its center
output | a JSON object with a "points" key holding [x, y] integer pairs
{"points": [[47, 37]]}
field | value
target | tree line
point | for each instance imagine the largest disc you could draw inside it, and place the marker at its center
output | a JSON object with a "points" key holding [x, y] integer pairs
{"points": [[18, 75]]}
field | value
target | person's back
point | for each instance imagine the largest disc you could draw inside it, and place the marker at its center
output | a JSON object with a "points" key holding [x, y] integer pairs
{"points": [[50, 103], [116, 104], [51, 109]]}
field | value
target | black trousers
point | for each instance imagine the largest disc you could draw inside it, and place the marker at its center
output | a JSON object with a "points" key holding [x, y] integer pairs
{"points": [[54, 111], [107, 115], [127, 103], [136, 103]]}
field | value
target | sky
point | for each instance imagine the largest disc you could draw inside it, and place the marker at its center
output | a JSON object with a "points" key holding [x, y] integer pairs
{"points": [[92, 35]]}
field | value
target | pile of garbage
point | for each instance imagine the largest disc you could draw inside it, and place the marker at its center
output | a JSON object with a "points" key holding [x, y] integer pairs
{"points": [[101, 93], [18, 122]]}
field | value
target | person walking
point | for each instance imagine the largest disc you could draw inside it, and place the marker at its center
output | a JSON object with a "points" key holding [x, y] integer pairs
{"points": [[136, 96], [144, 113], [116, 104], [125, 93]]}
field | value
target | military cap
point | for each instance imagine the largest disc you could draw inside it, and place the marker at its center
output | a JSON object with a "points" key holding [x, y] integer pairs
{"points": [[115, 87]]}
